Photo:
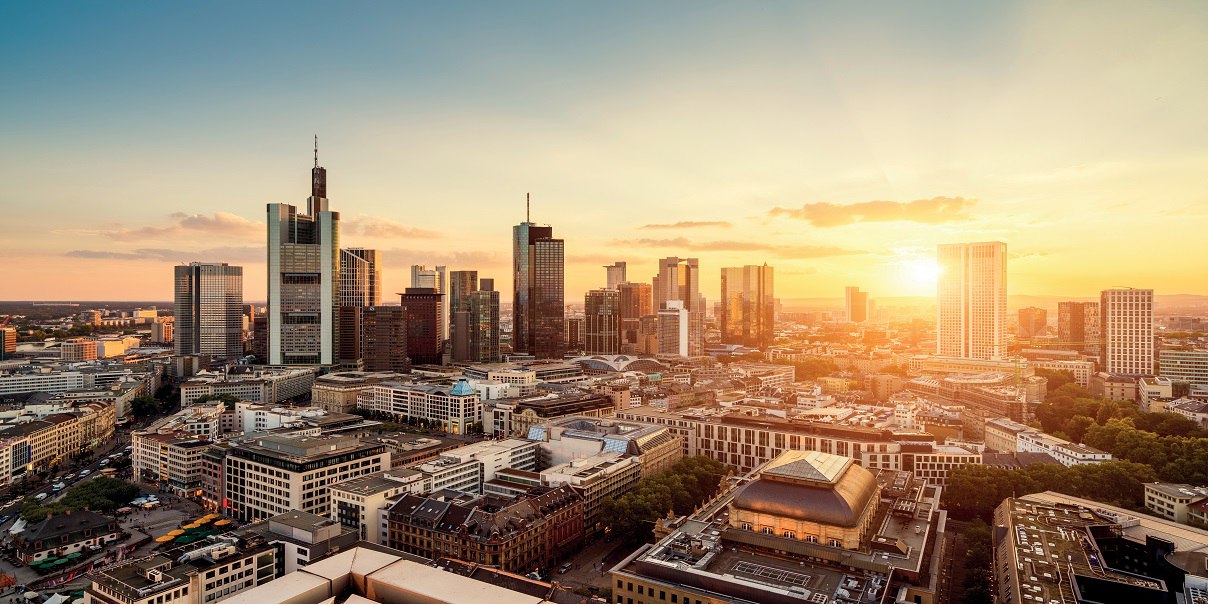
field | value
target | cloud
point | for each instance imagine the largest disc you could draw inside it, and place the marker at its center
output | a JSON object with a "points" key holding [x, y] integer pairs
{"points": [[217, 254], [218, 223], [689, 224], [456, 260], [368, 226], [781, 251], [936, 210]]}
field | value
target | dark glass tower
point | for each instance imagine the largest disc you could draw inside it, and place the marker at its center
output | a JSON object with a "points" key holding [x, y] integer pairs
{"points": [[538, 304]]}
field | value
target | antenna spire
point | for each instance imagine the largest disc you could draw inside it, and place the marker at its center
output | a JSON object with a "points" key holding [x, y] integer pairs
{"points": [[316, 150], [528, 207]]}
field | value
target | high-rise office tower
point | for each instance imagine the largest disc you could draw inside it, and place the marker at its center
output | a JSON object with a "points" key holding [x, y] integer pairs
{"points": [[1126, 316], [748, 306], [616, 274], [8, 342], [673, 328], [423, 315], [484, 323], [971, 303], [539, 302], [1032, 322], [304, 279], [374, 338], [679, 279], [360, 277], [1078, 326], [574, 333], [461, 285], [857, 304], [602, 322], [209, 310], [437, 279], [636, 302]]}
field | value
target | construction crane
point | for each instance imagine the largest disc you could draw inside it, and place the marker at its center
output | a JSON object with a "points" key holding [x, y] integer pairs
{"points": [[4, 323]]}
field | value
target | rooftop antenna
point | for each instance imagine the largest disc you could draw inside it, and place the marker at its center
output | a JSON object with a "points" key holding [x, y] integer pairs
{"points": [[316, 150], [528, 207]]}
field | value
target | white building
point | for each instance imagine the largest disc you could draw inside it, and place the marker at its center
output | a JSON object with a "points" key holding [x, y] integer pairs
{"points": [[673, 329], [260, 386], [1082, 370], [1064, 451], [1185, 365], [971, 305], [1128, 335], [454, 407]]}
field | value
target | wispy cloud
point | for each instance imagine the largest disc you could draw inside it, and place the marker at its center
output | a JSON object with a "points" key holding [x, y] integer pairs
{"points": [[216, 224], [690, 224], [217, 254], [781, 251], [936, 210], [368, 226]]}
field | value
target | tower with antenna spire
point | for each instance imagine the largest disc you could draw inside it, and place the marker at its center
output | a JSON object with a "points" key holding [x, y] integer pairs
{"points": [[304, 278], [538, 278]]}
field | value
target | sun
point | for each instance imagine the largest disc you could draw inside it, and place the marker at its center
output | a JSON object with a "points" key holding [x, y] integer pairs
{"points": [[922, 272]]}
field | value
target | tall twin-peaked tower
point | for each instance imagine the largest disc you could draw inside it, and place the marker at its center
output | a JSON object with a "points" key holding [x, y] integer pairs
{"points": [[539, 301], [971, 300], [678, 279], [304, 278]]}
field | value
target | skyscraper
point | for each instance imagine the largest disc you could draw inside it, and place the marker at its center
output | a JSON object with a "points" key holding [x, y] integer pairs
{"points": [[423, 315], [484, 323], [539, 301], [1126, 316], [1078, 326], [1032, 322], [636, 302], [360, 277], [857, 304], [679, 279], [673, 328], [461, 285], [209, 310], [374, 338], [602, 323], [437, 279], [971, 302], [616, 274], [304, 279], [748, 306]]}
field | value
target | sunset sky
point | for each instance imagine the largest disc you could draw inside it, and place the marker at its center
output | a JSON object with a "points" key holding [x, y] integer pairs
{"points": [[839, 143]]}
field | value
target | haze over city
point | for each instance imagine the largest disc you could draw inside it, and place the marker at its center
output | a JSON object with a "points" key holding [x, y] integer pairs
{"points": [[839, 143]]}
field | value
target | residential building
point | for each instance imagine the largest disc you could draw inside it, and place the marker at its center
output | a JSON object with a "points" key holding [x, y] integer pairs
{"points": [[748, 306], [856, 304], [971, 306], [539, 300], [163, 330], [276, 474], [451, 408], [615, 275], [60, 535], [1078, 326], [1126, 316], [425, 331], [679, 279], [304, 279], [1033, 322], [437, 280], [360, 277], [602, 322]]}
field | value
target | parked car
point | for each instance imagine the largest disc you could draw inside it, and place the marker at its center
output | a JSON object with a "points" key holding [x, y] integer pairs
{"points": [[69, 477], [58, 486], [40, 496], [104, 462], [565, 568], [84, 473]]}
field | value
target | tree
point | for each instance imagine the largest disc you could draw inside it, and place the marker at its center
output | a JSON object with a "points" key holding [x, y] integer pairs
{"points": [[679, 489], [145, 406], [228, 400], [974, 491], [100, 494]]}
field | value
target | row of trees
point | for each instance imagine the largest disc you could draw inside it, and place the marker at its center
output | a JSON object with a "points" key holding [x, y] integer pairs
{"points": [[691, 481], [1070, 410], [974, 491], [1173, 457], [977, 584], [99, 494]]}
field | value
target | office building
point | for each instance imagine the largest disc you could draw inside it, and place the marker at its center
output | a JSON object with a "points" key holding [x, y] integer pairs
{"points": [[971, 305], [602, 322], [304, 279], [8, 342], [163, 330], [451, 408], [423, 317], [636, 302], [436, 279], [1185, 365], [360, 277], [539, 301], [679, 279], [277, 474], [1032, 322], [1126, 319], [615, 276], [374, 338], [748, 306], [462, 284], [248, 384], [1078, 326], [855, 304], [209, 310], [78, 349], [673, 329], [483, 321]]}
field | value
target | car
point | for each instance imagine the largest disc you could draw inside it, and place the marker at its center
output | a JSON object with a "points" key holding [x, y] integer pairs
{"points": [[40, 496], [69, 477], [84, 473], [58, 486], [565, 568], [104, 462]]}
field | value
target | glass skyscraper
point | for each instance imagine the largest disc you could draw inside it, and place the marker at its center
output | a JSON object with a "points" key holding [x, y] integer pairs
{"points": [[209, 310]]}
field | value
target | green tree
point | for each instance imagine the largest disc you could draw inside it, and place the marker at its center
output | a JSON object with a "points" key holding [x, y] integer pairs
{"points": [[145, 406]]}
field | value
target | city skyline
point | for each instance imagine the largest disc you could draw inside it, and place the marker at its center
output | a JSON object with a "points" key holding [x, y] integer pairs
{"points": [[834, 148]]}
